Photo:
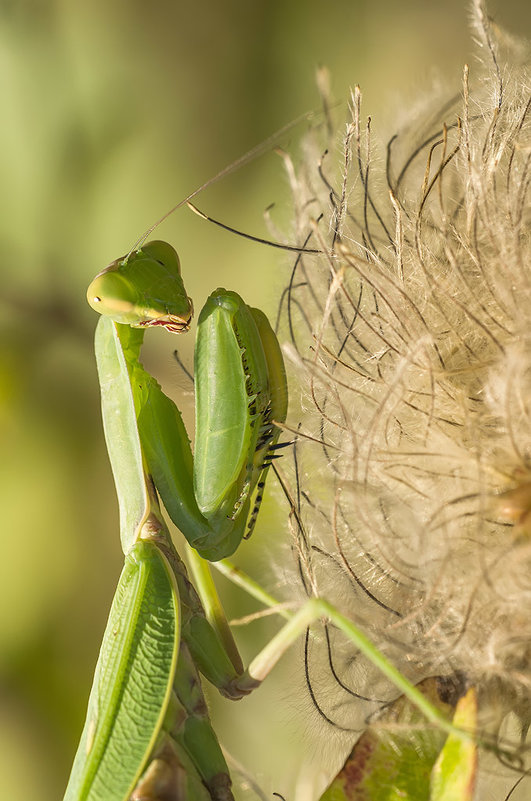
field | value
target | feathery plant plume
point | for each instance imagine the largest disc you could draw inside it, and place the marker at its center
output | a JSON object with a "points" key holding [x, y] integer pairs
{"points": [[410, 483]]}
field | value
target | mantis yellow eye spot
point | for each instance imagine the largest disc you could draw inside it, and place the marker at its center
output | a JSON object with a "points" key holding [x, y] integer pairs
{"points": [[96, 299]]}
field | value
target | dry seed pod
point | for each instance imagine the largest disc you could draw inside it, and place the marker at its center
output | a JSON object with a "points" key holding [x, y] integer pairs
{"points": [[411, 339]]}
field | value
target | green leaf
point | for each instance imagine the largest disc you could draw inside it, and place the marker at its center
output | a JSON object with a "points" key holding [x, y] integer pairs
{"points": [[454, 774], [393, 759]]}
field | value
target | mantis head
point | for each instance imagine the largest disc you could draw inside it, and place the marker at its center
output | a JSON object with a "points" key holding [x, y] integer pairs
{"points": [[143, 289]]}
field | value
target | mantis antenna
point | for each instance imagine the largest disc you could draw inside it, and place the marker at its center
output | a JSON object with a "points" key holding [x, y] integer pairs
{"points": [[256, 151], [259, 239]]}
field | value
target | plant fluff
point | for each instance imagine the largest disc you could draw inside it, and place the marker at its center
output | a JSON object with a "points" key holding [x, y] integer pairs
{"points": [[410, 333]]}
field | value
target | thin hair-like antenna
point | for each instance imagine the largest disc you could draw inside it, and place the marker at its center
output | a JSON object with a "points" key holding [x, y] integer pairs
{"points": [[256, 151], [259, 239]]}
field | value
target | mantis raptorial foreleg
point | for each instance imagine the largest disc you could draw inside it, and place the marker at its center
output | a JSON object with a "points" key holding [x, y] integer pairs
{"points": [[212, 496]]}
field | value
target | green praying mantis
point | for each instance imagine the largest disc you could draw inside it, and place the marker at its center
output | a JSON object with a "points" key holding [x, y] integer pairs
{"points": [[147, 735], [146, 706]]}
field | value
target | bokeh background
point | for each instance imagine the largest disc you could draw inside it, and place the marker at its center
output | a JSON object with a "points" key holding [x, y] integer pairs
{"points": [[111, 113]]}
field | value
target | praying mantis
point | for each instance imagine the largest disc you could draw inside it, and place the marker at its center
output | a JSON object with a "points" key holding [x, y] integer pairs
{"points": [[147, 735], [146, 679]]}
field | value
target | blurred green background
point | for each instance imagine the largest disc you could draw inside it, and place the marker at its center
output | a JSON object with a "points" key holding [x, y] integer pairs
{"points": [[111, 113]]}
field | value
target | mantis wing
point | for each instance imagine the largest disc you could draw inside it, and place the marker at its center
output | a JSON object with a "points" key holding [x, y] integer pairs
{"points": [[133, 680]]}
